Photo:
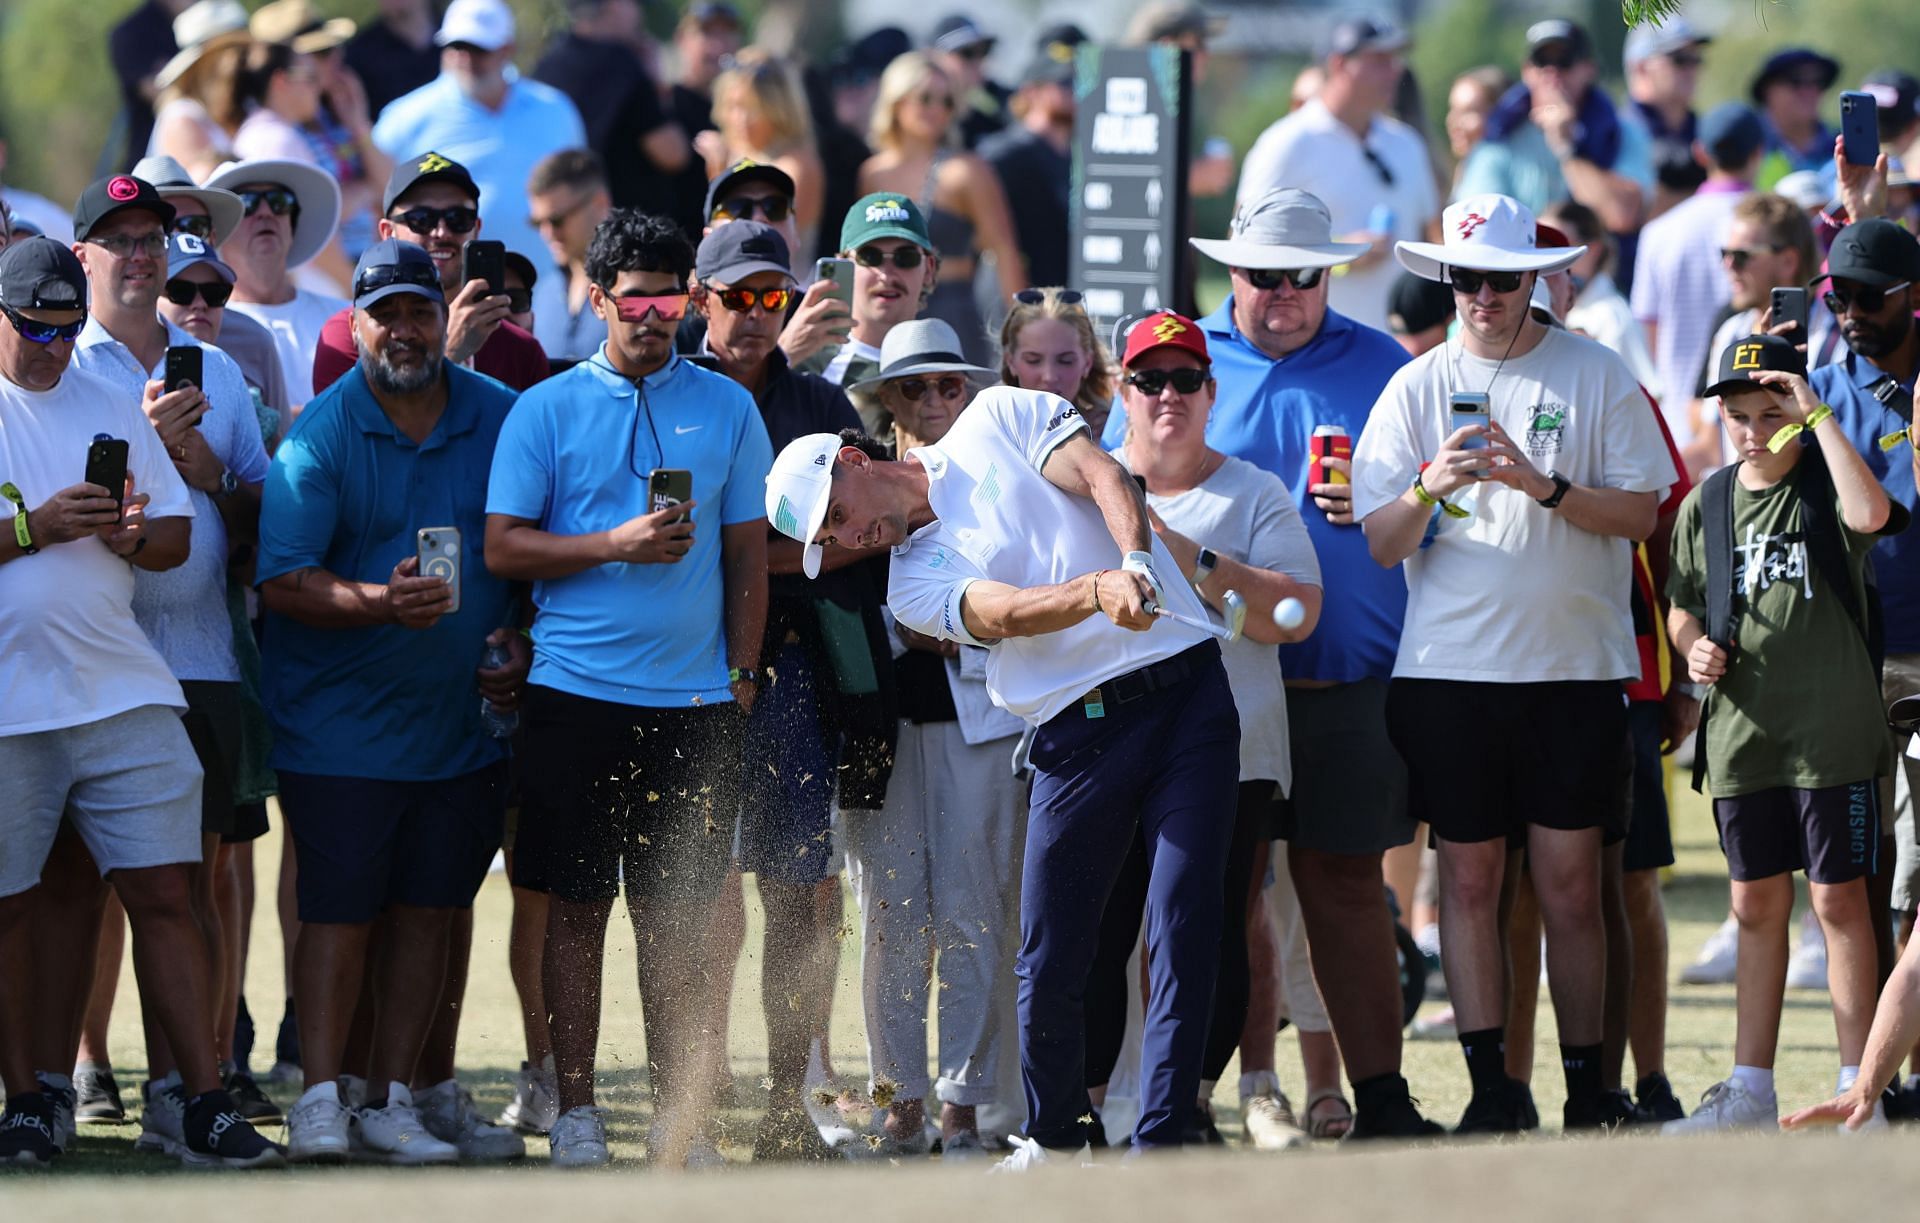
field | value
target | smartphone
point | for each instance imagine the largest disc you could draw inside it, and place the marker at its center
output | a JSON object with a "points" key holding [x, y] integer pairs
{"points": [[439, 550], [107, 466], [669, 486], [185, 367], [840, 273], [1471, 408], [1860, 126], [486, 260], [1141, 481], [1789, 305]]}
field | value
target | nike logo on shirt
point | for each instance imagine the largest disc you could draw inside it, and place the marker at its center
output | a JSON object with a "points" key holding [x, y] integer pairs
{"points": [[685, 429]]}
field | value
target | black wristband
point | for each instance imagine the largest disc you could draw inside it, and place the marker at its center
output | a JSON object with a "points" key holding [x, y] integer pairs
{"points": [[1560, 486]]}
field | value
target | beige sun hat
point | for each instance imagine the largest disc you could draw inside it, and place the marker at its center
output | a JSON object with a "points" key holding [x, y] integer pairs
{"points": [[294, 23], [199, 29]]}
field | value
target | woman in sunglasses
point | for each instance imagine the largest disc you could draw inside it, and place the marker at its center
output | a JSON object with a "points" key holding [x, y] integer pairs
{"points": [[913, 136], [1048, 344], [761, 115], [278, 90]]}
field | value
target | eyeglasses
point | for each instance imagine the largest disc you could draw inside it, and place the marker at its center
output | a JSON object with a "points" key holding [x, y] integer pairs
{"points": [[1268, 279], [376, 278], [200, 227], [1864, 299], [913, 390], [904, 257], [1038, 297], [279, 201], [667, 307], [1736, 257], [35, 332], [742, 300], [1468, 281], [519, 301], [775, 208], [1187, 380], [458, 220], [120, 246], [213, 292], [1378, 163]]}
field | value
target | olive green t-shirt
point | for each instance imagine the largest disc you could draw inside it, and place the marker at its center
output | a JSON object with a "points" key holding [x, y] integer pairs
{"points": [[1800, 703]]}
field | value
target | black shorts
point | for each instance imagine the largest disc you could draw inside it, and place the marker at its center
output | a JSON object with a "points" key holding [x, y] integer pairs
{"points": [[1485, 761], [212, 723], [1649, 828], [1832, 833], [1349, 793], [613, 790], [364, 844]]}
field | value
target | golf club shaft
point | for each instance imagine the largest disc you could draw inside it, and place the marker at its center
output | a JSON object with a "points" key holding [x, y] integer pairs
{"points": [[1206, 626]]}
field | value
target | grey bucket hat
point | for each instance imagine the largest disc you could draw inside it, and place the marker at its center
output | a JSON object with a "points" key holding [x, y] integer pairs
{"points": [[923, 346], [1283, 228]]}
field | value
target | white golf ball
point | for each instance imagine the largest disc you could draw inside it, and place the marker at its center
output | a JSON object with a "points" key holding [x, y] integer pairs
{"points": [[1289, 613]]}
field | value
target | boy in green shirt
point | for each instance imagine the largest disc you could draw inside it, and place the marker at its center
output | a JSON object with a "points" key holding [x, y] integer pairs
{"points": [[1794, 733]]}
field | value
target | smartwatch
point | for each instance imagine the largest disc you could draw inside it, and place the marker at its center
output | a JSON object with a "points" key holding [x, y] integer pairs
{"points": [[229, 483], [1204, 566], [1560, 486], [737, 674]]}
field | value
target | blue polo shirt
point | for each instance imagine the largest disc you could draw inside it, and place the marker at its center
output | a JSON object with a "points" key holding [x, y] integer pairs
{"points": [[348, 493], [1265, 413], [1845, 386], [574, 458]]}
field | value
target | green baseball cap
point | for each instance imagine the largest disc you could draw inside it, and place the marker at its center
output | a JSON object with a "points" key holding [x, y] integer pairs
{"points": [[884, 214]]}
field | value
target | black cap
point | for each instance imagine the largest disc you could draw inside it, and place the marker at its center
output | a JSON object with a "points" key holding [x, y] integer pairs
{"points": [[1896, 95], [517, 262], [1416, 304], [1059, 40], [747, 171], [868, 56], [1558, 30], [41, 274], [1355, 35], [1044, 69], [427, 168], [1875, 253], [731, 253], [1780, 63], [118, 194], [392, 266], [957, 33], [1744, 358], [716, 10]]}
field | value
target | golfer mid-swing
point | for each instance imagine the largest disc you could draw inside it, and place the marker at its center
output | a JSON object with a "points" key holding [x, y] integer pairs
{"points": [[1017, 533]]}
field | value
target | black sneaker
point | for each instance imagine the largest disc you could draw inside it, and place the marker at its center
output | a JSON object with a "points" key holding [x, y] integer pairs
{"points": [[1506, 1110], [1096, 1129], [97, 1096], [1607, 1111], [219, 1137], [254, 1104], [1201, 1130], [1656, 1104], [1389, 1111], [26, 1130]]}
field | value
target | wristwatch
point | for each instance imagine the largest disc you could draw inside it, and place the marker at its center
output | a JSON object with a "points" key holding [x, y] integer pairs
{"points": [[737, 674], [229, 483], [1560, 486], [1204, 565]]}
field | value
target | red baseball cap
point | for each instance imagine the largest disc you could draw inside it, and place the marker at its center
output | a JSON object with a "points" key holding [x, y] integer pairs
{"points": [[1165, 330]]}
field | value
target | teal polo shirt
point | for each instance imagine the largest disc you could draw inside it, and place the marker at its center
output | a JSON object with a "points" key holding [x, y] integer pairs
{"points": [[348, 493]]}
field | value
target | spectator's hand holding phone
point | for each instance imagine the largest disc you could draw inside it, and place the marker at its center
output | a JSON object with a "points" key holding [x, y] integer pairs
{"points": [[413, 601], [659, 538], [1862, 190], [1453, 468], [473, 316], [73, 513], [1511, 466], [125, 535], [173, 413], [821, 321]]}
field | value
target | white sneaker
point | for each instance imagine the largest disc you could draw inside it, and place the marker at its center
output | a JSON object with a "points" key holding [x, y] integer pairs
{"points": [[536, 1099], [1270, 1122], [578, 1138], [964, 1147], [448, 1111], [1028, 1155], [163, 1120], [317, 1127], [1807, 968], [1727, 1106], [1717, 960], [396, 1134]]}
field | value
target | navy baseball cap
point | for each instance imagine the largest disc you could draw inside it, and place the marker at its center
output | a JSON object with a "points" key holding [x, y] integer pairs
{"points": [[1732, 133], [186, 250], [118, 193], [42, 274], [748, 171], [392, 266], [731, 253], [1780, 63], [1355, 35], [958, 32], [428, 167], [1558, 31]]}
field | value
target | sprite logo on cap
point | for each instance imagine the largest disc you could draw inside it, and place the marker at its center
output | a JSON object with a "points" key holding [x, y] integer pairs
{"points": [[882, 211], [784, 520], [1167, 328]]}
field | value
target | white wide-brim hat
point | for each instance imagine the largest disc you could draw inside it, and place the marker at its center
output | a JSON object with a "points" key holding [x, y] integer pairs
{"points": [[1283, 228], [199, 29], [315, 189], [1485, 233], [171, 180]]}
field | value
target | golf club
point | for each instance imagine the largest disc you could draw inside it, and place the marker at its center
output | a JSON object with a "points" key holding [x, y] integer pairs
{"points": [[1232, 606]]}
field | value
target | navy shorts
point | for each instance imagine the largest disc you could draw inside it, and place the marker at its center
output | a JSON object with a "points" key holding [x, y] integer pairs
{"points": [[787, 804], [1832, 833], [1649, 828], [364, 844]]}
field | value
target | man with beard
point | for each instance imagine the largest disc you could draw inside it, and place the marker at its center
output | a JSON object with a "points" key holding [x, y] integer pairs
{"points": [[394, 793]]}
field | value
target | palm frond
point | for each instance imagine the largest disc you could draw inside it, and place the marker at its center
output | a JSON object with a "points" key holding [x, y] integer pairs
{"points": [[1648, 12]]}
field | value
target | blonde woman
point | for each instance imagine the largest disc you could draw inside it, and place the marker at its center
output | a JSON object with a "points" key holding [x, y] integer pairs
{"points": [[761, 113], [915, 155], [1048, 344], [196, 114]]}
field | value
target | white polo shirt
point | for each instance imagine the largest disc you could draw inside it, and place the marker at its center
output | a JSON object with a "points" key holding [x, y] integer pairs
{"points": [[1000, 520]]}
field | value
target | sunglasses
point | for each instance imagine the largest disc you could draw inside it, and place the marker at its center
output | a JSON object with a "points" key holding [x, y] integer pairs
{"points": [[1866, 300], [213, 292], [1187, 380], [519, 301], [775, 208], [120, 246], [942, 100], [1806, 82], [1562, 61], [458, 220], [1685, 60], [977, 52], [667, 307], [1038, 297], [43, 333], [553, 220], [913, 390], [903, 257], [1467, 281], [1736, 257], [1268, 279], [742, 300], [199, 227], [377, 278], [279, 201]]}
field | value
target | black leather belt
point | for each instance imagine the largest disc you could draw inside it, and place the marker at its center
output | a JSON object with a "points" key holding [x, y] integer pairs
{"points": [[1155, 677]]}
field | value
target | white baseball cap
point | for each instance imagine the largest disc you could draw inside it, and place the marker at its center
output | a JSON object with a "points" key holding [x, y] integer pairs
{"points": [[799, 486], [487, 24], [1485, 233]]}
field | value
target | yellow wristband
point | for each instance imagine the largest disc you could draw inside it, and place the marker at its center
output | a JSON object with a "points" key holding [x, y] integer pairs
{"points": [[1787, 433], [1421, 494]]}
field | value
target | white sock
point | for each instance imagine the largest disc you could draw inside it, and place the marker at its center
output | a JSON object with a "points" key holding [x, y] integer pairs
{"points": [[1757, 1081], [1913, 1082], [1260, 1082], [1849, 1075]]}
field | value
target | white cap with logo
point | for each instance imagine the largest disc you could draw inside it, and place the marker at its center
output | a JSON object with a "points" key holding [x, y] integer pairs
{"points": [[799, 487], [487, 24]]}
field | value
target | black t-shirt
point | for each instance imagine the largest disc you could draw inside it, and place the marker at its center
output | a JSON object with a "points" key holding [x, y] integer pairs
{"points": [[920, 678], [977, 123], [1038, 181], [390, 66], [619, 105], [139, 47]]}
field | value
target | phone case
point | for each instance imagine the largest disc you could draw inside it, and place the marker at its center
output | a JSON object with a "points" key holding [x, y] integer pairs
{"points": [[668, 486], [185, 367], [107, 465], [440, 558]]}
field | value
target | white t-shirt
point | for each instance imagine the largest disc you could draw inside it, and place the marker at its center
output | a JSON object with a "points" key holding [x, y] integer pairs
{"points": [[1680, 287], [1312, 150], [70, 650], [1602, 314], [1248, 515], [1515, 593], [296, 330], [999, 519]]}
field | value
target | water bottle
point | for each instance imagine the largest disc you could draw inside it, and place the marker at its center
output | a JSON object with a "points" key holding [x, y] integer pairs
{"points": [[499, 725]]}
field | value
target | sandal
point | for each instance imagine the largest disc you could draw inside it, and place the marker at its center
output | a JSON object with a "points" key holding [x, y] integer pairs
{"points": [[1335, 1122]]}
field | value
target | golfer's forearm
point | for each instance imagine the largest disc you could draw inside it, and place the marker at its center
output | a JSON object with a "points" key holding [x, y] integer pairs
{"points": [[993, 612], [1124, 507]]}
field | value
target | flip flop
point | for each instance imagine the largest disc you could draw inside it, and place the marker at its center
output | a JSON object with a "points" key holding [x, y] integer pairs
{"points": [[1334, 1125]]}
